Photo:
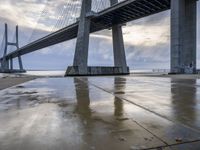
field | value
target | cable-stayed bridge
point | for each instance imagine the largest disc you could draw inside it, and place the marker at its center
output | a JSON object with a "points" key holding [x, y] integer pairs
{"points": [[183, 39]]}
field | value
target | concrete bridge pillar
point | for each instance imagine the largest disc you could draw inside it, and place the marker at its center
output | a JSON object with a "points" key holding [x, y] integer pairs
{"points": [[4, 61], [7, 63], [20, 63], [183, 36], [118, 46], [11, 64], [80, 63], [82, 43]]}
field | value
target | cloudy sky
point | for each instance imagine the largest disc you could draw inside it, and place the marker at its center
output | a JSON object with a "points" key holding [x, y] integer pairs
{"points": [[147, 41]]}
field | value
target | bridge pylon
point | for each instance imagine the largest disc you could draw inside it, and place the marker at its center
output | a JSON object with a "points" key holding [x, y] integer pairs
{"points": [[80, 63], [183, 36], [118, 46], [7, 63]]}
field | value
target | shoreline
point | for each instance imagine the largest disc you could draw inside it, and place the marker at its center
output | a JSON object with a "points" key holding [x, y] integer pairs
{"points": [[164, 75], [9, 80]]}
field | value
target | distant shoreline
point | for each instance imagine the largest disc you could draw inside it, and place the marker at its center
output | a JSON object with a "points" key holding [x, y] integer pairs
{"points": [[9, 80]]}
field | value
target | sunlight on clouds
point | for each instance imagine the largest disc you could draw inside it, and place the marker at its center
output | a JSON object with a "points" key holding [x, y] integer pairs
{"points": [[24, 13], [141, 35], [103, 37], [146, 35]]}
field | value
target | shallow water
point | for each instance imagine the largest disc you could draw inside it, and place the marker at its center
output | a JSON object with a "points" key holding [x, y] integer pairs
{"points": [[46, 73]]}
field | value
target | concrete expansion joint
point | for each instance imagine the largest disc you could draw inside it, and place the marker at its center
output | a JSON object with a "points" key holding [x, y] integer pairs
{"points": [[154, 135], [147, 109], [175, 144], [167, 145]]}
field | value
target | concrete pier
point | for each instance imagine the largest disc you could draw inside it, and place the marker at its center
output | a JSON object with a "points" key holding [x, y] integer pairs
{"points": [[80, 64], [118, 46], [95, 71], [183, 36], [82, 44]]}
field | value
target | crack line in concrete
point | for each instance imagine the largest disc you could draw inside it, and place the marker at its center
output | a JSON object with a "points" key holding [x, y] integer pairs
{"points": [[157, 114], [150, 132], [176, 144]]}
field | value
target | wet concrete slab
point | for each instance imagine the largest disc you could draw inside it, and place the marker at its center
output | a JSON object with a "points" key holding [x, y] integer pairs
{"points": [[173, 99], [100, 113]]}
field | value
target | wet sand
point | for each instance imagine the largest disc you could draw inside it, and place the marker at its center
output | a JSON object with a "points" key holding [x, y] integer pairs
{"points": [[102, 113]]}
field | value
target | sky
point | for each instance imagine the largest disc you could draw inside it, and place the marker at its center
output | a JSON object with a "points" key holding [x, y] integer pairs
{"points": [[147, 40]]}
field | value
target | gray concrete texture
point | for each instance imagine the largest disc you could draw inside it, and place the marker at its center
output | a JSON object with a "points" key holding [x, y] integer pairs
{"points": [[183, 35], [80, 64], [82, 43], [101, 113], [96, 71], [118, 45]]}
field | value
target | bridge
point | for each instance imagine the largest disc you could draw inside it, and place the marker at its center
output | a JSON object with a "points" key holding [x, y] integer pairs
{"points": [[183, 35]]}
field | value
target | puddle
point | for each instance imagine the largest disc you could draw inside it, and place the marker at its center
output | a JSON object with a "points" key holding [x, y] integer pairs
{"points": [[76, 114]]}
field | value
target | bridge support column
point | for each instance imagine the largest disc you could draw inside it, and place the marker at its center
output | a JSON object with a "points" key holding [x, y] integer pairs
{"points": [[5, 66], [80, 66], [183, 36], [4, 61], [118, 46], [20, 63], [81, 52], [11, 64]]}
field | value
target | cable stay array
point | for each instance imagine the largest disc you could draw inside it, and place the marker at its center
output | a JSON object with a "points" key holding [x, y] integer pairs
{"points": [[56, 15]]}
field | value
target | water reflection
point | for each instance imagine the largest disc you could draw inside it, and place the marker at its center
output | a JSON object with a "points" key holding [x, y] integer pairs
{"points": [[118, 107], [18, 103], [83, 97], [183, 94], [119, 87]]}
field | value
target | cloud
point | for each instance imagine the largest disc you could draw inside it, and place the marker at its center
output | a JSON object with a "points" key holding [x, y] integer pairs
{"points": [[24, 13]]}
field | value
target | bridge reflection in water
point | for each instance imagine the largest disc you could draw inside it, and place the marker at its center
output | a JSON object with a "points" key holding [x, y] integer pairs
{"points": [[101, 113]]}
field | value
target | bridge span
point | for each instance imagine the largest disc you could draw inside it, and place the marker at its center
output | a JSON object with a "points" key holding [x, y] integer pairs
{"points": [[183, 35]]}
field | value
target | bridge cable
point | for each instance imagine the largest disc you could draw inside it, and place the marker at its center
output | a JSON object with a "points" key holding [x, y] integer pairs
{"points": [[43, 14], [58, 12]]}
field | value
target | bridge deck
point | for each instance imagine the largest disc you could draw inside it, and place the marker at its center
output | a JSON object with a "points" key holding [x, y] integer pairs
{"points": [[117, 14]]}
